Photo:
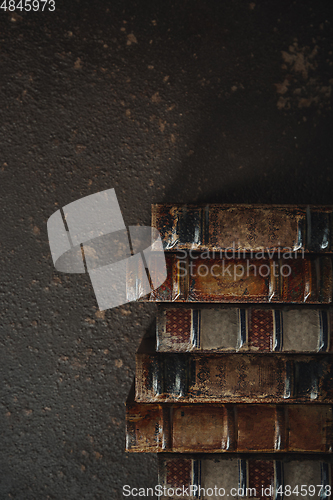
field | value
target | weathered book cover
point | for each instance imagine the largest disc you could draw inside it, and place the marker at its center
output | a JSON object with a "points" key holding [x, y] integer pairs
{"points": [[244, 329], [196, 279], [216, 476], [233, 378], [244, 227], [216, 428]]}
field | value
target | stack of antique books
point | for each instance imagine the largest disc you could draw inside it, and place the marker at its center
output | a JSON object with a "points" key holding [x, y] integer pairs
{"points": [[233, 388]]}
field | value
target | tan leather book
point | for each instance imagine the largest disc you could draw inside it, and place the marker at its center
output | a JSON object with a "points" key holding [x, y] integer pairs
{"points": [[196, 279], [232, 328], [216, 428], [263, 477], [244, 228], [233, 378]]}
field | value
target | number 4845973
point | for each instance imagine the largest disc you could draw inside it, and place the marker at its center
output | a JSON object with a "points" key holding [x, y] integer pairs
{"points": [[310, 490], [27, 5]]}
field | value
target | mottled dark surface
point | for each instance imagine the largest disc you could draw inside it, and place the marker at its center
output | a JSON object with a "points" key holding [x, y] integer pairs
{"points": [[165, 102]]}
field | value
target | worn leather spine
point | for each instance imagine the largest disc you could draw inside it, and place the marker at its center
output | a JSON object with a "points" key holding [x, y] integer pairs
{"points": [[295, 281], [216, 428], [245, 328], [235, 378], [258, 476], [245, 228]]}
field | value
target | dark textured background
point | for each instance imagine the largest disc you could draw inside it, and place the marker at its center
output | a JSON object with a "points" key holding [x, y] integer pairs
{"points": [[216, 101]]}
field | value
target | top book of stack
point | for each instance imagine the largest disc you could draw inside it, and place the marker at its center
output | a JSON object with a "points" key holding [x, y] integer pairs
{"points": [[245, 228]]}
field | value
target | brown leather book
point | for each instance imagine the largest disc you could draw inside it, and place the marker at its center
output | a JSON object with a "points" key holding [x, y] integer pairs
{"points": [[259, 476], [196, 279], [230, 328], [233, 378], [216, 428], [245, 228]]}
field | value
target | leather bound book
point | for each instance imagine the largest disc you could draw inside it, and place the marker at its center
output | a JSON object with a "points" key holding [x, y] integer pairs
{"points": [[245, 227], [229, 328], [216, 428], [196, 279], [233, 378], [212, 477]]}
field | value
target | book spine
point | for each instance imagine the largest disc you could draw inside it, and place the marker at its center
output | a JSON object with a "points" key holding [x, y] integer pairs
{"points": [[244, 228], [304, 280], [202, 477], [233, 378], [196, 428], [245, 329]]}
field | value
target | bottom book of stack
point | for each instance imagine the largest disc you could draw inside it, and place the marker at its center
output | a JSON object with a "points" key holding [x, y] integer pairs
{"points": [[213, 477]]}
